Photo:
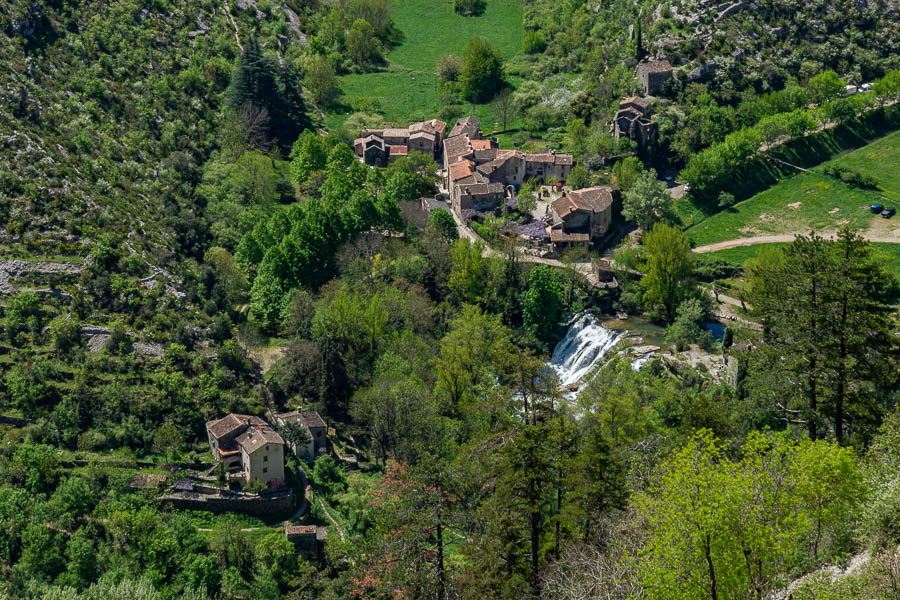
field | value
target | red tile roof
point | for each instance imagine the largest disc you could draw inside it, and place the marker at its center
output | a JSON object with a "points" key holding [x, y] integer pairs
{"points": [[568, 204], [460, 169]]}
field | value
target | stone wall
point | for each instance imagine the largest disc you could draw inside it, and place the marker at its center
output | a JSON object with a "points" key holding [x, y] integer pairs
{"points": [[252, 505]]}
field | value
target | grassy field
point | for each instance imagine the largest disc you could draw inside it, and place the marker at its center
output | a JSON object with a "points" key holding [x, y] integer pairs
{"points": [[880, 159], [796, 205], [888, 253], [407, 89]]}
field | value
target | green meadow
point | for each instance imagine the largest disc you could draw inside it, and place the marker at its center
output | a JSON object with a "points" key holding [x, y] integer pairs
{"points": [[808, 201], [888, 254], [880, 159], [407, 89]]}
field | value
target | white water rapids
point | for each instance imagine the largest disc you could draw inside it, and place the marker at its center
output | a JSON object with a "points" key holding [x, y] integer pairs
{"points": [[586, 343]]}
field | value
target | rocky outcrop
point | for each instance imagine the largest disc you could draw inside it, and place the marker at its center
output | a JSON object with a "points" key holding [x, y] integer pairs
{"points": [[10, 269]]}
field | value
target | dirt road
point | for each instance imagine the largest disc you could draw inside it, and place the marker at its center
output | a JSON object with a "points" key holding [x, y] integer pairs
{"points": [[783, 238]]}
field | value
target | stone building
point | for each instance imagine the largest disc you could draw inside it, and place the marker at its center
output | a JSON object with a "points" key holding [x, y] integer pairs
{"points": [[247, 447], [580, 217], [634, 121], [306, 539], [653, 74], [478, 173], [377, 147], [315, 427]]}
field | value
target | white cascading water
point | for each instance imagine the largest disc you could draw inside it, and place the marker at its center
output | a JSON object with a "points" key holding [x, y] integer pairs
{"points": [[586, 343]]}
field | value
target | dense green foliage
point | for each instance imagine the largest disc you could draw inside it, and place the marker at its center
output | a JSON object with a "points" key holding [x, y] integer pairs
{"points": [[192, 245]]}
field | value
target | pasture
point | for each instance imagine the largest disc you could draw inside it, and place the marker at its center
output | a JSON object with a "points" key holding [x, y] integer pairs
{"points": [[407, 89]]}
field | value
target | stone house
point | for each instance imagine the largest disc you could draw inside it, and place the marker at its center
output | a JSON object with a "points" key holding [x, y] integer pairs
{"points": [[653, 74], [468, 126], [551, 164], [478, 172], [396, 152], [372, 150], [580, 217], [316, 428], [247, 447], [306, 539], [633, 121], [478, 196], [505, 166], [377, 147]]}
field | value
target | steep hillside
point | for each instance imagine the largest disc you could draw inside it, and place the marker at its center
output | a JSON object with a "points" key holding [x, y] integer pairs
{"points": [[761, 43], [108, 113]]}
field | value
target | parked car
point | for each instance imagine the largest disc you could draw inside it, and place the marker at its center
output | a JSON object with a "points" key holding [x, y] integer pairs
{"points": [[876, 208], [889, 212]]}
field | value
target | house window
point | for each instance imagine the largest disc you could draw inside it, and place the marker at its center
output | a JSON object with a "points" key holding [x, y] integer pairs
{"points": [[265, 469], [267, 448], [265, 459]]}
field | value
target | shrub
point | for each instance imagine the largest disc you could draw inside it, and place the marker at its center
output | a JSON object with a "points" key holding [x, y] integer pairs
{"points": [[469, 8], [255, 486], [534, 43]]}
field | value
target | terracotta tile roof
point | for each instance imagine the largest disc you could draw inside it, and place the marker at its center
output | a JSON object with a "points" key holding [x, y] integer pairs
{"points": [[460, 169], [398, 150], [568, 204], [598, 198], [231, 423], [481, 144], [439, 126], [656, 66], [255, 437], [629, 113], [422, 126]]}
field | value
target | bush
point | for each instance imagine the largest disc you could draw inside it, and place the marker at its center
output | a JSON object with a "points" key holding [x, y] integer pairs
{"points": [[469, 8], [534, 43], [255, 486], [851, 178]]}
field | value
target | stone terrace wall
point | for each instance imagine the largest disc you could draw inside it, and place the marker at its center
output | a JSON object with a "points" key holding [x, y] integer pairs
{"points": [[252, 505]]}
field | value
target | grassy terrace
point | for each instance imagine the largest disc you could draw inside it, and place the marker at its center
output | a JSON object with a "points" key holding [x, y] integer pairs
{"points": [[407, 89], [889, 253], [796, 205], [881, 160]]}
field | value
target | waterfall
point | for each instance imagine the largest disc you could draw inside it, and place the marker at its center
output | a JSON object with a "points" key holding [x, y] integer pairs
{"points": [[585, 344]]}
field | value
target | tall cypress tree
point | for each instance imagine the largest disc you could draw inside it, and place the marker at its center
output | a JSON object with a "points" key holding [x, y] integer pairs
{"points": [[638, 36], [258, 81]]}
